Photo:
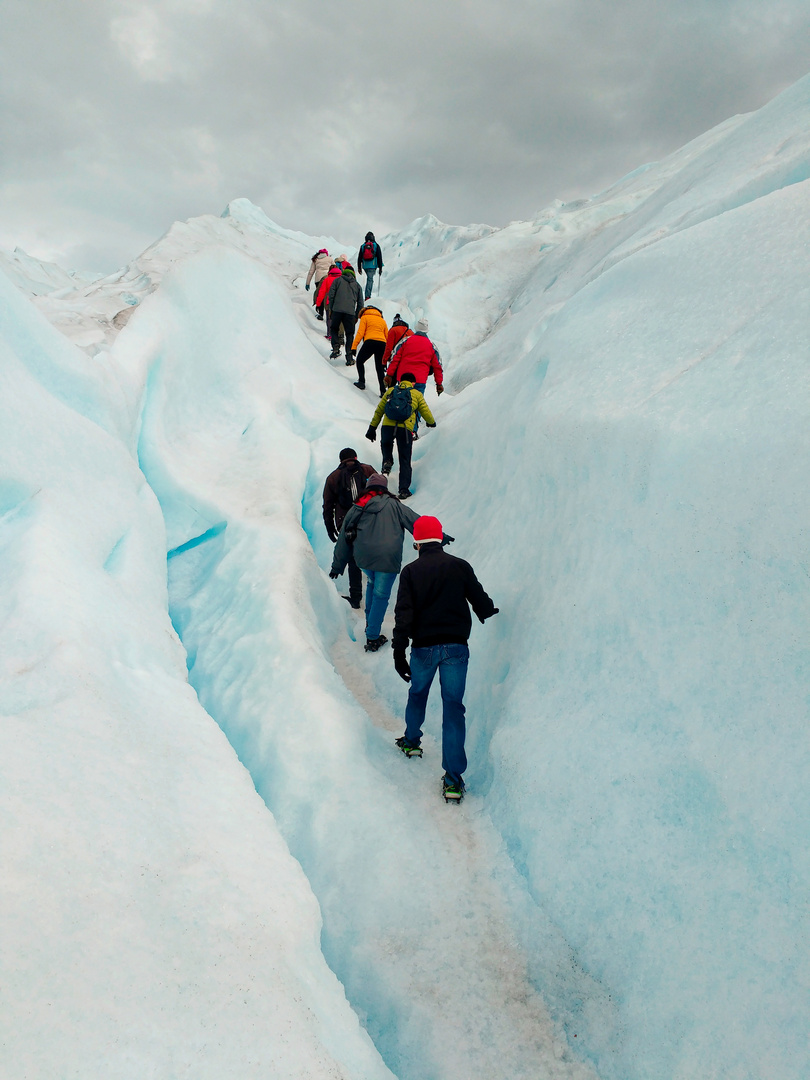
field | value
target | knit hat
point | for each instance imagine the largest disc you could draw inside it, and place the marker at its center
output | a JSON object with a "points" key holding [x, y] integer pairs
{"points": [[422, 326], [323, 251], [348, 454], [377, 480], [428, 530]]}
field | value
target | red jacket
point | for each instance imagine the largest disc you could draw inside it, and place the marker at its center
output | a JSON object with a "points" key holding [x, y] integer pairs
{"points": [[395, 335], [326, 285], [417, 356]]}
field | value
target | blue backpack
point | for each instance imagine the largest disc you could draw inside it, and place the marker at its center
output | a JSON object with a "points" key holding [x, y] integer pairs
{"points": [[399, 405]]}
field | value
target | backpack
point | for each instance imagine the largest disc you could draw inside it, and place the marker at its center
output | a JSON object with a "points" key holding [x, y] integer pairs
{"points": [[352, 482], [369, 253], [399, 405]]}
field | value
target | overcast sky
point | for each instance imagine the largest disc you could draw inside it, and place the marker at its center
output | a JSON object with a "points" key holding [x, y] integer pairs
{"points": [[119, 117]]}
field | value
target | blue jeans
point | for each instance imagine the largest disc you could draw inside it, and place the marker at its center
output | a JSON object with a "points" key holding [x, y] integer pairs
{"points": [[378, 590], [451, 661], [420, 386], [370, 280]]}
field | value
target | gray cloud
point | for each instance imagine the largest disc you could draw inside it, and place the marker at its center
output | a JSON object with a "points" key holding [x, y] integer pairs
{"points": [[121, 116]]}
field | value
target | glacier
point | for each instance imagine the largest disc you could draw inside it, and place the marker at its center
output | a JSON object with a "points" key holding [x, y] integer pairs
{"points": [[217, 864]]}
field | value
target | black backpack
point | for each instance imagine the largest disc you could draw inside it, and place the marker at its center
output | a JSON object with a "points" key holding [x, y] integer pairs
{"points": [[400, 404], [369, 252], [352, 484]]}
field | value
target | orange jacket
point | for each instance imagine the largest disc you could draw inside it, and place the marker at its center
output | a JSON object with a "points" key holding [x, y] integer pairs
{"points": [[372, 326]]}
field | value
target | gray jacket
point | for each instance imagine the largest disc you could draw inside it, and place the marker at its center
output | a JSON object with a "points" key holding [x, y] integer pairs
{"points": [[345, 295], [381, 525]]}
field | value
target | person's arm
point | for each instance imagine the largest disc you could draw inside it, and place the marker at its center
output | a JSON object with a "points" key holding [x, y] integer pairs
{"points": [[378, 412], [361, 332], [436, 369], [481, 604], [379, 258], [341, 553], [424, 410], [403, 612], [407, 517], [311, 271], [329, 510]]}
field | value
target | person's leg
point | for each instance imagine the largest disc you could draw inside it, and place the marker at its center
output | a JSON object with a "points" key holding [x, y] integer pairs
{"points": [[423, 667], [420, 386], [369, 594], [453, 679], [404, 447], [369, 282], [378, 348], [349, 322], [355, 582], [387, 446], [334, 332], [381, 590], [362, 354]]}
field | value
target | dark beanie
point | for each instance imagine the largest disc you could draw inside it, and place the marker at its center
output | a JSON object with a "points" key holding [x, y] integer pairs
{"points": [[348, 454]]}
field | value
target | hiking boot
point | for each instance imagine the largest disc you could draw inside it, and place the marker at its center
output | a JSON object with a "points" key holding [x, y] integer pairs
{"points": [[372, 644], [334, 354], [404, 494], [453, 790], [360, 385], [355, 603], [409, 749], [387, 466]]}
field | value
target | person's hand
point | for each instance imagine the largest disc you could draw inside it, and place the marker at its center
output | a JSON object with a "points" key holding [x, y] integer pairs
{"points": [[430, 425], [493, 612], [388, 380], [371, 434], [336, 574], [354, 353], [439, 389], [448, 539], [332, 535], [307, 287], [380, 271], [403, 668]]}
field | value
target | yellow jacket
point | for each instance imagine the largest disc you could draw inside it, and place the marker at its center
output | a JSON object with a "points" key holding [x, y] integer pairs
{"points": [[419, 405], [372, 327]]}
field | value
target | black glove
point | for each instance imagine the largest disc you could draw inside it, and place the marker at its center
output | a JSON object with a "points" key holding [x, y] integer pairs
{"points": [[493, 612], [307, 287], [430, 425], [336, 574], [439, 389], [332, 535], [447, 539], [371, 434], [401, 664], [354, 353], [380, 271]]}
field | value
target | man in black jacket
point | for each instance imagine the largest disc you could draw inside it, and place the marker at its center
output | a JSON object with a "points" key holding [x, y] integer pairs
{"points": [[433, 610], [345, 302], [340, 492]]}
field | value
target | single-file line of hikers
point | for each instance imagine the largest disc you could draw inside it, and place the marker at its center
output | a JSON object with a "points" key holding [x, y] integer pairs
{"points": [[367, 522]]}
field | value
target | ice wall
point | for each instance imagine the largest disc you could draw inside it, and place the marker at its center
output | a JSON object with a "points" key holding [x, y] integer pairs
{"points": [[154, 922]]}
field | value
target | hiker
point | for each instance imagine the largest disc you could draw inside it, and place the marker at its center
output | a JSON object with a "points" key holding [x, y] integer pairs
{"points": [[373, 531], [369, 259], [372, 330], [398, 409], [433, 612], [345, 302], [419, 355], [318, 270], [342, 489], [322, 296], [398, 332]]}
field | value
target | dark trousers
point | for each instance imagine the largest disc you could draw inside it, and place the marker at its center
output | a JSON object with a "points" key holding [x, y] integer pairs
{"points": [[355, 580], [367, 350], [404, 445], [347, 321]]}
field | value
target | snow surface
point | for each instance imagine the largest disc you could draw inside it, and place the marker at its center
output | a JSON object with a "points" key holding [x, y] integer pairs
{"points": [[623, 892]]}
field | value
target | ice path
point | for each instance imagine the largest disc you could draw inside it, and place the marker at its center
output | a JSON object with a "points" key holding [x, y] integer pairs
{"points": [[425, 921]]}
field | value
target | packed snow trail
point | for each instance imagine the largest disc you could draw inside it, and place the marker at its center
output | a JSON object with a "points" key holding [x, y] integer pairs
{"points": [[242, 416]]}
